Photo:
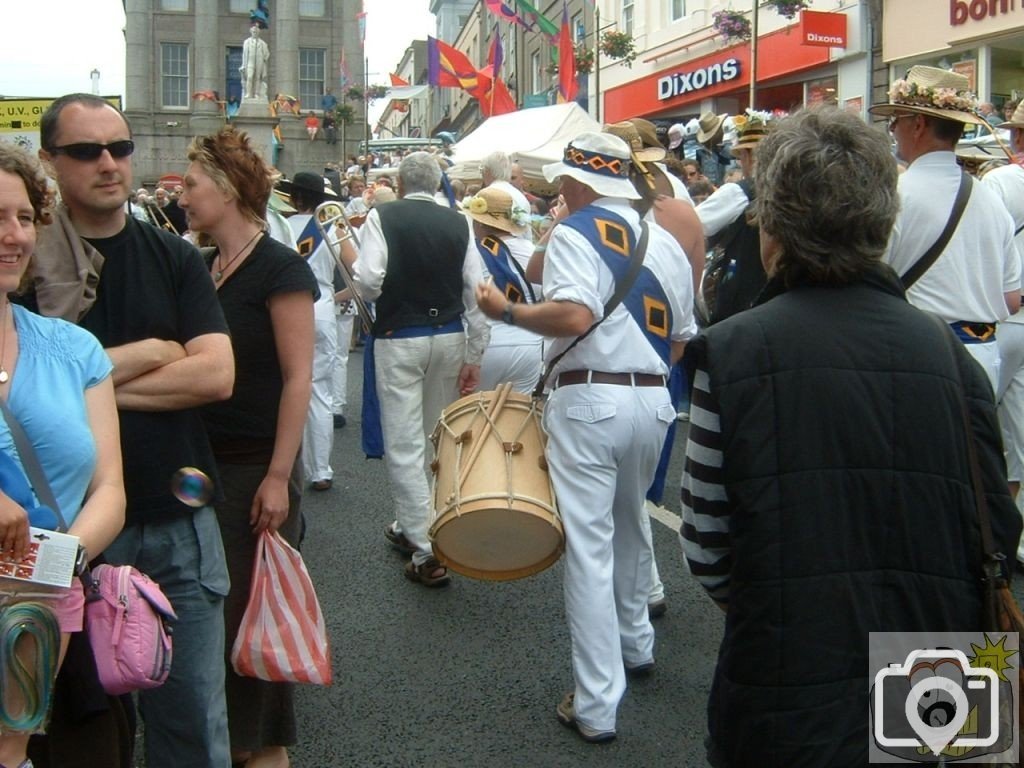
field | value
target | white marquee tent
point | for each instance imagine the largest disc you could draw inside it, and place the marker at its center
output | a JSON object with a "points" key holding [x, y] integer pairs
{"points": [[533, 137]]}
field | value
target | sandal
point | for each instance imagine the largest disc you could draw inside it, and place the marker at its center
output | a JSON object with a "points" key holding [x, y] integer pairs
{"points": [[398, 540], [425, 573]]}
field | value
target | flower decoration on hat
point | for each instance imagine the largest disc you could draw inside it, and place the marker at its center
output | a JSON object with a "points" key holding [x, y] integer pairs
{"points": [[477, 205], [918, 95], [520, 216]]}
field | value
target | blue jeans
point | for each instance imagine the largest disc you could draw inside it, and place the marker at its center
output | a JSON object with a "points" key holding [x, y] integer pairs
{"points": [[186, 718]]}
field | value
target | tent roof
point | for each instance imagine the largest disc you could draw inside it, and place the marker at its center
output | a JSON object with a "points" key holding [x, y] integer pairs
{"points": [[534, 137]]}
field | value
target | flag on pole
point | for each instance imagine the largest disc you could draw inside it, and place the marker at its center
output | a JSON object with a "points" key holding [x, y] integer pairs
{"points": [[448, 67], [344, 76], [361, 21], [504, 11], [535, 17], [499, 100], [396, 80], [496, 54], [568, 87]]}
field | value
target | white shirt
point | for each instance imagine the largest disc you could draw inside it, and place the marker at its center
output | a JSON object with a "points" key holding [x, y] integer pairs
{"points": [[1008, 183], [573, 271], [372, 265], [503, 334], [321, 261], [722, 208], [979, 264]]}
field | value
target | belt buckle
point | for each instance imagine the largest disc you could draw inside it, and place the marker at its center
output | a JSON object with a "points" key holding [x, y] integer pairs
{"points": [[432, 312]]}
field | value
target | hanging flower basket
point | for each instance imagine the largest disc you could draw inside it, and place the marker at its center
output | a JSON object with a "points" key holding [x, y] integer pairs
{"points": [[788, 8], [733, 26], [345, 113], [375, 92], [584, 60], [355, 93], [618, 45]]}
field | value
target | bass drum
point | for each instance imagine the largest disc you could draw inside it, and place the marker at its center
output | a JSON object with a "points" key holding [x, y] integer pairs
{"points": [[495, 513]]}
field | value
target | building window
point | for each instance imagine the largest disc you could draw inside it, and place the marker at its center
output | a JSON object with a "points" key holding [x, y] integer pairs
{"points": [[311, 76], [627, 17], [174, 74], [311, 8], [240, 6], [578, 30], [677, 9], [173, 5], [535, 72]]}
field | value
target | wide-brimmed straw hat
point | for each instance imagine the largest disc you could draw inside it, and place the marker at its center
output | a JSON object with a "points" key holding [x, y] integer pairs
{"points": [[750, 129], [494, 207], [598, 160], [934, 92], [709, 126], [645, 148], [1016, 120]]}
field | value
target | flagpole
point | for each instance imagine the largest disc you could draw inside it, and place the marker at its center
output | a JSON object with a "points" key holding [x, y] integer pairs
{"points": [[753, 56], [597, 60]]}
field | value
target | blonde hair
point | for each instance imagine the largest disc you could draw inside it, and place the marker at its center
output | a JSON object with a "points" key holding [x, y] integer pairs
{"points": [[227, 157]]}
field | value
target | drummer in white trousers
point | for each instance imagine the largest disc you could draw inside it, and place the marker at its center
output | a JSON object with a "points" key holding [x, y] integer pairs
{"points": [[607, 414], [308, 190], [513, 354]]}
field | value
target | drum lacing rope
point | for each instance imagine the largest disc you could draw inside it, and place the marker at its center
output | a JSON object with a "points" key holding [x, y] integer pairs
{"points": [[38, 622]]}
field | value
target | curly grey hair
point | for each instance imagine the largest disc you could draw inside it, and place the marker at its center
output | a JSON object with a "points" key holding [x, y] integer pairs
{"points": [[498, 165], [826, 192], [419, 172]]}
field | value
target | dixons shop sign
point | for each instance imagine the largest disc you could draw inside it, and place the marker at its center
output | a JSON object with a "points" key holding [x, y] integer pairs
{"points": [[678, 83]]}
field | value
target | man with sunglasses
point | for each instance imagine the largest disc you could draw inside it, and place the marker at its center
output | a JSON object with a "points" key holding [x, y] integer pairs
{"points": [[974, 281], [154, 308]]}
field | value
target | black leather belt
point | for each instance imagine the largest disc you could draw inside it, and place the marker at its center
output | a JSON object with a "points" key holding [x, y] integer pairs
{"points": [[602, 377]]}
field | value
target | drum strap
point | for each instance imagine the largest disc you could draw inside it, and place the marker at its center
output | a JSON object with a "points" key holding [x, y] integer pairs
{"points": [[622, 287]]}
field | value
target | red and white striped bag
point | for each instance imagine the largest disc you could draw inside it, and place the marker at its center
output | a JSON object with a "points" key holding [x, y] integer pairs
{"points": [[283, 637]]}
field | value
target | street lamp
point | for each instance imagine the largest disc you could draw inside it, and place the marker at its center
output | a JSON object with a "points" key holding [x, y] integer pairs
{"points": [[95, 77]]}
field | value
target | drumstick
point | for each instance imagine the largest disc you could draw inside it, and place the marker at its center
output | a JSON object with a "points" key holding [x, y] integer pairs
{"points": [[478, 444]]}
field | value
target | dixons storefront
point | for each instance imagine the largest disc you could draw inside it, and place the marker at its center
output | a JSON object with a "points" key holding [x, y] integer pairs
{"points": [[800, 64], [983, 39]]}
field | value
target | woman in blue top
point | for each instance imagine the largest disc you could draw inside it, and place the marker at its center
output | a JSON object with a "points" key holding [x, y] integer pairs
{"points": [[56, 379]]}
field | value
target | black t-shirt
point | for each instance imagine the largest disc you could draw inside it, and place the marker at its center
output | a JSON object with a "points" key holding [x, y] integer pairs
{"points": [[154, 285], [243, 428]]}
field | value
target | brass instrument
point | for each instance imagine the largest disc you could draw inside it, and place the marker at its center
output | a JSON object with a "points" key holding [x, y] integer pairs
{"points": [[156, 213], [331, 215]]}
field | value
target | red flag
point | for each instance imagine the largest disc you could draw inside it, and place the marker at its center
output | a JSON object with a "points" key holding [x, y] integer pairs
{"points": [[396, 80], [501, 100], [567, 85], [448, 67]]}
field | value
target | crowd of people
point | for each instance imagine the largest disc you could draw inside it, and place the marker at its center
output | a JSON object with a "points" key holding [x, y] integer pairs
{"points": [[835, 306]]}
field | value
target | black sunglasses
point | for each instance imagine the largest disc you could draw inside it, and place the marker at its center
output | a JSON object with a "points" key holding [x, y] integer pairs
{"points": [[86, 151]]}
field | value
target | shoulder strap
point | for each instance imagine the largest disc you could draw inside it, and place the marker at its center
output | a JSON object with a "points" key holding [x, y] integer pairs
{"points": [[636, 260], [30, 462], [924, 263]]}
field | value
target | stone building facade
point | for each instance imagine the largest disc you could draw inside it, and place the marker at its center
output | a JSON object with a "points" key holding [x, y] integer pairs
{"points": [[178, 49]]}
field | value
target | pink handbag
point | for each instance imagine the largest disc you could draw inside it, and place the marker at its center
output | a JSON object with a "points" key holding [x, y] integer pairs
{"points": [[126, 618]]}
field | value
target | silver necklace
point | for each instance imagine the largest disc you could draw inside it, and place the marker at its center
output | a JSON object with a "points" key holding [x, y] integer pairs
{"points": [[219, 274]]}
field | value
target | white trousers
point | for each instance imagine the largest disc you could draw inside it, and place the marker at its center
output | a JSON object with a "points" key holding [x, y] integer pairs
{"points": [[1010, 396], [416, 379], [987, 355], [516, 363], [603, 446], [339, 387], [318, 434]]}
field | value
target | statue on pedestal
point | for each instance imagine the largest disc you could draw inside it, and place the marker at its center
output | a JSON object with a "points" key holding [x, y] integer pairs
{"points": [[255, 60]]}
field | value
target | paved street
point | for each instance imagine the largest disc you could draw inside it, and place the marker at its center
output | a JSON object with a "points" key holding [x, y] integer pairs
{"points": [[470, 675]]}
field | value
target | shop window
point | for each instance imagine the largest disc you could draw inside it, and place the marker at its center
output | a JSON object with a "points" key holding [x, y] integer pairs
{"points": [[677, 9], [311, 77], [627, 16], [822, 91], [174, 74]]}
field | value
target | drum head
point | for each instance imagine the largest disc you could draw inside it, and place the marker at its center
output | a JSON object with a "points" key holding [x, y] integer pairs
{"points": [[498, 544]]}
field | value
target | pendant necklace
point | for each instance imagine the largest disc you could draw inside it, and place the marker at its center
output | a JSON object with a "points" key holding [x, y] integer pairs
{"points": [[4, 376], [217, 276]]}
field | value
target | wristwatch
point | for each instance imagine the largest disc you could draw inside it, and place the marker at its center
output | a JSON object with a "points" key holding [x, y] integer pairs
{"points": [[506, 316]]}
